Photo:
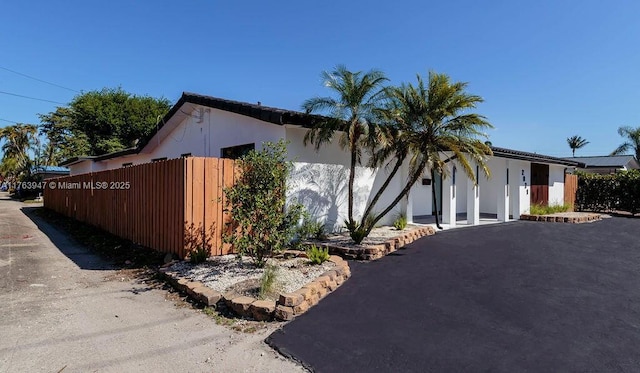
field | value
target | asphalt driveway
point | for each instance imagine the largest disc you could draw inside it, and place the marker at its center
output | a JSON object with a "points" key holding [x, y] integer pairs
{"points": [[513, 297]]}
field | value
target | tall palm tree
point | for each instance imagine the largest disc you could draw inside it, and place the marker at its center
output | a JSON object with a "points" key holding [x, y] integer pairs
{"points": [[350, 113], [435, 123], [632, 142], [18, 141], [576, 142]]}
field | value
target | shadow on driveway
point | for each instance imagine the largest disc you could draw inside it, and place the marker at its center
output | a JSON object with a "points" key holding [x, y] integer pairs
{"points": [[521, 296], [82, 257]]}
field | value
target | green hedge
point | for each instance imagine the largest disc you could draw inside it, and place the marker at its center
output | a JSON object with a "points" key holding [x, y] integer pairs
{"points": [[620, 191]]}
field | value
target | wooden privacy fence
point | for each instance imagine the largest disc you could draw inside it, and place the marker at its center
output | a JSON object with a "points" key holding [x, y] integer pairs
{"points": [[161, 205], [570, 190]]}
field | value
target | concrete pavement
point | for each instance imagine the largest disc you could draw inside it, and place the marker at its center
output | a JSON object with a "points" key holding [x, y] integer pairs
{"points": [[64, 309]]}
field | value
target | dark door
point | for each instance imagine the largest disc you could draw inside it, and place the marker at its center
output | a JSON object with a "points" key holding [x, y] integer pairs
{"points": [[539, 184]]}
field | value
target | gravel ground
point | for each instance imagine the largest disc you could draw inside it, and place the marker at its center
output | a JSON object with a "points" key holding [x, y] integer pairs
{"points": [[378, 235], [222, 272]]}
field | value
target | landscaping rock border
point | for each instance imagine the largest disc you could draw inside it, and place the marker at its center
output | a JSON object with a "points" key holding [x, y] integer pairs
{"points": [[562, 219], [288, 305], [374, 252]]}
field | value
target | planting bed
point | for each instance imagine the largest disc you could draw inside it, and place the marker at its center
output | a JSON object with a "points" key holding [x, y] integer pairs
{"points": [[234, 283]]}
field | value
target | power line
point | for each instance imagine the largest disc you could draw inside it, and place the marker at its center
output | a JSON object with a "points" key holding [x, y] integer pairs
{"points": [[32, 98], [39, 80], [10, 121]]}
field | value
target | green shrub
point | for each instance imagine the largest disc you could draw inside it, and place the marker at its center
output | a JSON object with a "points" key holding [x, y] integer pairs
{"points": [[317, 255], [319, 232], [620, 191], [359, 232], [200, 254], [308, 229], [261, 223], [268, 281], [401, 221], [546, 210]]}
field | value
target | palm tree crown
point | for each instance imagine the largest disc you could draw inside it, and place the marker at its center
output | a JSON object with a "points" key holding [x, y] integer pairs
{"points": [[433, 122], [632, 143], [436, 121], [576, 142], [19, 140], [350, 113]]}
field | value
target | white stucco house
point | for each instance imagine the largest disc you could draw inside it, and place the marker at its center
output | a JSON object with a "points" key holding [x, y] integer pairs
{"points": [[203, 126]]}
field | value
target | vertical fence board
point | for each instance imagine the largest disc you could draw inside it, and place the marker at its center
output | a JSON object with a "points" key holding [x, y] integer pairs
{"points": [[570, 190]]}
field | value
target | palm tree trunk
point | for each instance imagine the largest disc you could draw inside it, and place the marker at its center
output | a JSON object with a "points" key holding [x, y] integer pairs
{"points": [[384, 186], [435, 200], [403, 193], [352, 175]]}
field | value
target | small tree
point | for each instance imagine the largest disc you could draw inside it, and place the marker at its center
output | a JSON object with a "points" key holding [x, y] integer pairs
{"points": [[261, 222]]}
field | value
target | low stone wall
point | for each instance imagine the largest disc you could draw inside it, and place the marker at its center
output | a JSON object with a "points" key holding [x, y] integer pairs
{"points": [[562, 219], [373, 252], [285, 308]]}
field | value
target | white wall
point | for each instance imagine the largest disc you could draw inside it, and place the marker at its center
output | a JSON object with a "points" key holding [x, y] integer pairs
{"points": [[320, 181], [422, 197], [491, 188], [556, 185], [217, 129], [461, 189], [86, 167], [520, 183]]}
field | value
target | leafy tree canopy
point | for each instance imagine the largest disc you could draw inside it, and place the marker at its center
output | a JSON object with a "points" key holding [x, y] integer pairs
{"points": [[100, 122]]}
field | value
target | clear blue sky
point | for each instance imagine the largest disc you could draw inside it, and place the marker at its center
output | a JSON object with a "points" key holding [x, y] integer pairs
{"points": [[547, 69]]}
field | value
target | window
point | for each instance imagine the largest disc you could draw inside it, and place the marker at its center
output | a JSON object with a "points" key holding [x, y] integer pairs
{"points": [[159, 159], [185, 155], [235, 152], [127, 164]]}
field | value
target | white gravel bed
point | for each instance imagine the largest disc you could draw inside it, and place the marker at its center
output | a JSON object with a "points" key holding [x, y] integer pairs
{"points": [[221, 272], [378, 235]]}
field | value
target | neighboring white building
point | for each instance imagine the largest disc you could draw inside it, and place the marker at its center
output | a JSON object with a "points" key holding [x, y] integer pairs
{"points": [[203, 126]]}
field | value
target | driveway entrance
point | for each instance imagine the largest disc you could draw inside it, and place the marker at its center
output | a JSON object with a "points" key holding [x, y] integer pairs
{"points": [[512, 297]]}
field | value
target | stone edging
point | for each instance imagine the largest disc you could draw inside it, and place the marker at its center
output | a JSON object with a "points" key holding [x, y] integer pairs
{"points": [[562, 219], [374, 252], [285, 308]]}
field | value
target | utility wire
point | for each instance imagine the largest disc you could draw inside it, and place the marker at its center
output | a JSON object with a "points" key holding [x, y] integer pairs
{"points": [[39, 80], [32, 98], [7, 120]]}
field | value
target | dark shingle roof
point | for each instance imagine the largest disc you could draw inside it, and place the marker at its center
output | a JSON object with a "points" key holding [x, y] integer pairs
{"points": [[533, 157], [606, 161]]}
